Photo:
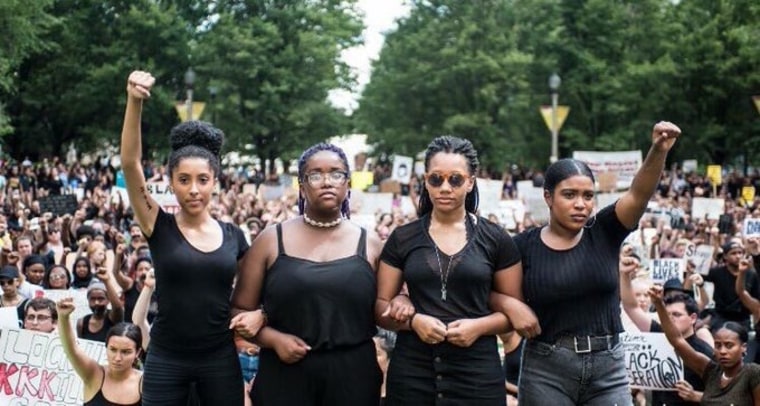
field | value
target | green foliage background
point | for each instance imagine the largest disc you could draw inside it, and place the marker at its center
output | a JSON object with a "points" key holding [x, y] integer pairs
{"points": [[477, 69]]}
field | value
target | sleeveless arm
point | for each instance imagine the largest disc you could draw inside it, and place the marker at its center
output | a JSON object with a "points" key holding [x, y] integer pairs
{"points": [[252, 269], [144, 206], [84, 366]]}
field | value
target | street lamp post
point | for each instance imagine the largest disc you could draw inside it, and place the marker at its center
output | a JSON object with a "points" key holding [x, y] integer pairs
{"points": [[554, 82], [189, 81]]}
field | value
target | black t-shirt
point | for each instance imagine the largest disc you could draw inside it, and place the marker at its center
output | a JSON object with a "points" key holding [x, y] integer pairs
{"points": [[193, 287], [727, 303], [575, 291], [470, 277], [670, 398]]}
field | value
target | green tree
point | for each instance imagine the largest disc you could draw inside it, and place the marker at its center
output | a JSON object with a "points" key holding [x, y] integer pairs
{"points": [[73, 91], [273, 63], [22, 25]]}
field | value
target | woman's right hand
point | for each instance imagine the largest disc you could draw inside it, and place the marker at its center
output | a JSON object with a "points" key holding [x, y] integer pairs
{"points": [[400, 309], [628, 266], [65, 306], [290, 349], [655, 292], [139, 84], [150, 279], [429, 329]]}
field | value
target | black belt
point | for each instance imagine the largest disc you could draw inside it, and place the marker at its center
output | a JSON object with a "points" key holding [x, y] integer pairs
{"points": [[586, 344]]}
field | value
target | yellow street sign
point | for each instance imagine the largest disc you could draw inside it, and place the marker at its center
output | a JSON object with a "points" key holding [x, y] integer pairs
{"points": [[562, 112], [182, 110]]}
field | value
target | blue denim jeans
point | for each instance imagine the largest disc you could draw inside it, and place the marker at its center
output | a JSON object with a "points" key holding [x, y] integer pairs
{"points": [[559, 376], [249, 364]]}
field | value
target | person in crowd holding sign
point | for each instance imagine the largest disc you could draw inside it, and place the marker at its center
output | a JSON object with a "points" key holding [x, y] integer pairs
{"points": [[195, 259], [116, 383], [727, 379], [316, 347], [571, 282], [40, 314], [450, 260], [683, 313]]}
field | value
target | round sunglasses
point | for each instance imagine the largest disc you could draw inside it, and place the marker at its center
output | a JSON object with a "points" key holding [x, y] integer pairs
{"points": [[455, 180]]}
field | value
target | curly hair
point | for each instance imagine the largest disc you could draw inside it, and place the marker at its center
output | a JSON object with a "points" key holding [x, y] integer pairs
{"points": [[196, 139]]}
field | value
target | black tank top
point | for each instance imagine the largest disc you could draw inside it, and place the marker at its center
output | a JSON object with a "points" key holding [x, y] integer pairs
{"points": [[100, 400], [99, 335], [327, 304]]}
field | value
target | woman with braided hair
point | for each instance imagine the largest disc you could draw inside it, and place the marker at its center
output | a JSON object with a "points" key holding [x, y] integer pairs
{"points": [[314, 275]]}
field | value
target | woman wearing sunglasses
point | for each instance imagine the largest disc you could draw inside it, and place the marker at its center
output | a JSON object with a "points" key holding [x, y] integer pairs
{"points": [[450, 260], [314, 275], [572, 283]]}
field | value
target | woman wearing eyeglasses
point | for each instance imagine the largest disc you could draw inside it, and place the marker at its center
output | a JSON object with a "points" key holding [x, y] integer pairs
{"points": [[572, 283], [314, 275], [450, 260], [57, 277]]}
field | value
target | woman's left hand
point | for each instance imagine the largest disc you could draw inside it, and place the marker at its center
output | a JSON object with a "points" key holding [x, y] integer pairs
{"points": [[665, 134], [247, 324], [463, 332]]}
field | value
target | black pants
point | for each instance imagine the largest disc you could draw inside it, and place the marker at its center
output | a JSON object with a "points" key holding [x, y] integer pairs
{"points": [[217, 376], [341, 377]]}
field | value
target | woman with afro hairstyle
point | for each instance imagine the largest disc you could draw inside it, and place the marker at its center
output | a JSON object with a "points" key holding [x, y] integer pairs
{"points": [[195, 258]]}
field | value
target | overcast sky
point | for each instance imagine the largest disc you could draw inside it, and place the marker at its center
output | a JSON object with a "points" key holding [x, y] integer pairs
{"points": [[379, 17]]}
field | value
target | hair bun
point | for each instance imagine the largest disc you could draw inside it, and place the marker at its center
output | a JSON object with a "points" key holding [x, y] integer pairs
{"points": [[198, 133]]}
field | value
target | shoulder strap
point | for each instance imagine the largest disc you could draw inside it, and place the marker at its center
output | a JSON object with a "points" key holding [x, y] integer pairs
{"points": [[103, 378], [361, 249], [280, 246]]}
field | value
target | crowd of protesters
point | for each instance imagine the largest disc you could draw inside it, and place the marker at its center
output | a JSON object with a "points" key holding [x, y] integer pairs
{"points": [[99, 248]]}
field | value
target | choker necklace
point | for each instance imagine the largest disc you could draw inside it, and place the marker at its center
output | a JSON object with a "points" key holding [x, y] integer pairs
{"points": [[308, 220]]}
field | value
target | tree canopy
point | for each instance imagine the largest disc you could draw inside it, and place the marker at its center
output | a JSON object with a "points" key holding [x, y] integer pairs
{"points": [[473, 69]]}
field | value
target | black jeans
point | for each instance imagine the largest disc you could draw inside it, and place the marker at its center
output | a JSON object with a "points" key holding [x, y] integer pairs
{"points": [[168, 375]]}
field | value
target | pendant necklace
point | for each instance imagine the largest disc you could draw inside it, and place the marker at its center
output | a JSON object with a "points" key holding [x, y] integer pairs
{"points": [[444, 276]]}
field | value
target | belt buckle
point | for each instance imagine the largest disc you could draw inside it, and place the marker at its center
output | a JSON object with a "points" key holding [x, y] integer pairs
{"points": [[588, 345]]}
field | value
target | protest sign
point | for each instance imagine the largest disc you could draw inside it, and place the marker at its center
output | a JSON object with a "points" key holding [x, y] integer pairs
{"points": [[748, 195], [82, 306], [9, 317], [34, 369], [689, 165], [402, 169], [701, 256], [490, 195], [624, 164], [715, 174], [371, 203], [59, 204], [362, 180], [706, 208], [159, 191], [651, 361], [751, 227], [533, 198], [605, 199], [512, 212], [663, 269]]}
